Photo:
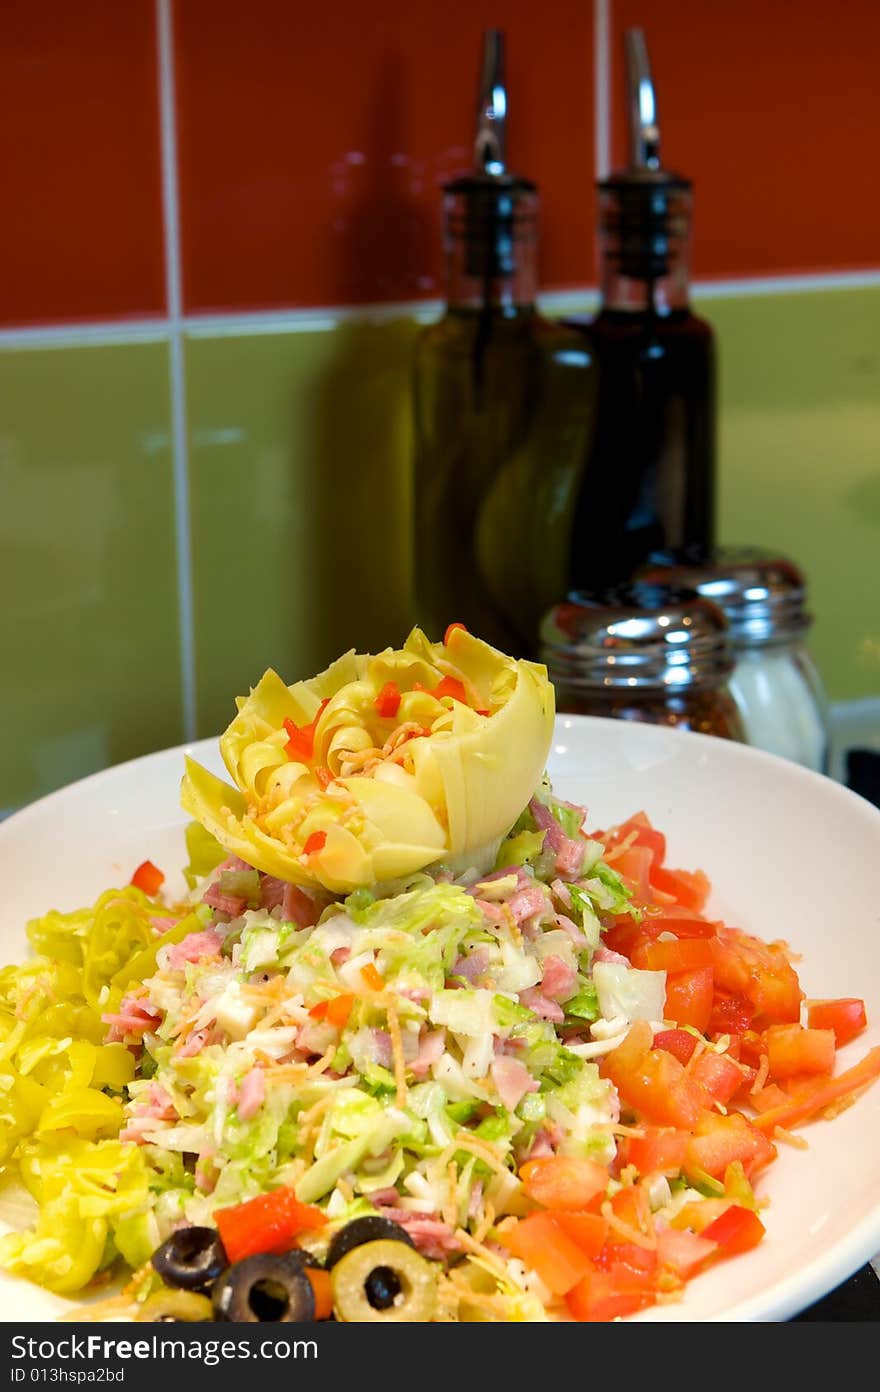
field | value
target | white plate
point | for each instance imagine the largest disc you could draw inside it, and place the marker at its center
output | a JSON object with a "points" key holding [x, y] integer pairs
{"points": [[791, 855]]}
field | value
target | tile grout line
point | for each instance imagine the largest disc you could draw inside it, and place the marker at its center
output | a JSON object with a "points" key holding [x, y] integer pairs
{"points": [[602, 87], [176, 366], [319, 318]]}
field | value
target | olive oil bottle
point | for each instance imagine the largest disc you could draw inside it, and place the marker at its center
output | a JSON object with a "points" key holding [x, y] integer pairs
{"points": [[650, 481], [503, 408]]}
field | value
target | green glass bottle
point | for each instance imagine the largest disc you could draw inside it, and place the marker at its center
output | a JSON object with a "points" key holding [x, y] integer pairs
{"points": [[503, 409]]}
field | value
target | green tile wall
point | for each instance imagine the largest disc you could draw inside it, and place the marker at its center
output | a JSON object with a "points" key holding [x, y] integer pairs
{"points": [[800, 458], [88, 615], [298, 454]]}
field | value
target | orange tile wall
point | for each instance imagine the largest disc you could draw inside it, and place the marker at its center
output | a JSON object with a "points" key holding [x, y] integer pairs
{"points": [[313, 142]]}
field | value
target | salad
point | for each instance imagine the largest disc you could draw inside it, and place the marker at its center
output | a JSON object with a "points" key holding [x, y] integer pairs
{"points": [[418, 1042]]}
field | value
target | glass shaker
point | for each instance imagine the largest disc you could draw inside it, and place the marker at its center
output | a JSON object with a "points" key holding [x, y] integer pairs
{"points": [[643, 652], [775, 684]]}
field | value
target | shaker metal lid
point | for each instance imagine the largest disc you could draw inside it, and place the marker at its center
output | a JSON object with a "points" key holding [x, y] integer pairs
{"points": [[762, 593], [635, 636]]}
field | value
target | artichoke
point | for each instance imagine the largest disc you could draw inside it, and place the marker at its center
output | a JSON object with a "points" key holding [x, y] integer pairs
{"points": [[380, 765]]}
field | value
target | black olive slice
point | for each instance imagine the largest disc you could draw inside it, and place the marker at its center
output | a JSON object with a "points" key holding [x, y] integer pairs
{"points": [[370, 1228], [191, 1258], [265, 1289]]}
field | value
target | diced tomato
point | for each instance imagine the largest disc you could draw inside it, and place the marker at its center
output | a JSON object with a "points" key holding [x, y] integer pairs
{"points": [[658, 1148], [563, 1181], [596, 1299], [685, 954], [721, 1076], [767, 1097], [683, 1252], [678, 1042], [718, 1141], [651, 1082], [148, 878], [450, 630], [689, 996], [681, 924], [588, 1230], [315, 843], [387, 703], [630, 1204], [760, 971], [732, 1013], [815, 1096], [547, 1248], [793, 1051], [635, 867], [321, 1283], [269, 1223], [688, 888], [451, 686], [632, 1268], [736, 1230], [847, 1017], [372, 977], [624, 936]]}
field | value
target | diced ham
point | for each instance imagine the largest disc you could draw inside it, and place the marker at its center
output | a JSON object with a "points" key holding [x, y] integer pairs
{"points": [[526, 903], [494, 912], [542, 1145], [432, 1237], [570, 927], [569, 851], [251, 1093], [196, 1041], [384, 1054], [299, 907], [559, 979], [196, 947], [134, 1017], [162, 925], [512, 1079], [431, 1046], [473, 965], [271, 892], [340, 955], [231, 904], [385, 1197], [570, 858], [562, 892], [545, 1009], [546, 822]]}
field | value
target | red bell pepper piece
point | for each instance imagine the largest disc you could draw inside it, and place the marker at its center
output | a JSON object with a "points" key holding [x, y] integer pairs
{"points": [[269, 1223], [148, 878], [387, 703]]}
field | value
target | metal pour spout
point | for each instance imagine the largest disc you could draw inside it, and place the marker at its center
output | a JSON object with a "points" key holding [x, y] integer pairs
{"points": [[490, 146], [644, 127]]}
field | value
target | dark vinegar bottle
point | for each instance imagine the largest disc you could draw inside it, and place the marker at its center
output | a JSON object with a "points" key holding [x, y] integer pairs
{"points": [[649, 479]]}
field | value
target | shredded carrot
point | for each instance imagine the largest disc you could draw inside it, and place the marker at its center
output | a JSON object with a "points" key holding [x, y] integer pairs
{"points": [[789, 1138], [761, 1075], [630, 1234]]}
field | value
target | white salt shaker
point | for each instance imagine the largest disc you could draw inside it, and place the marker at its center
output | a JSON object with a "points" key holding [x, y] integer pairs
{"points": [[775, 682]]}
